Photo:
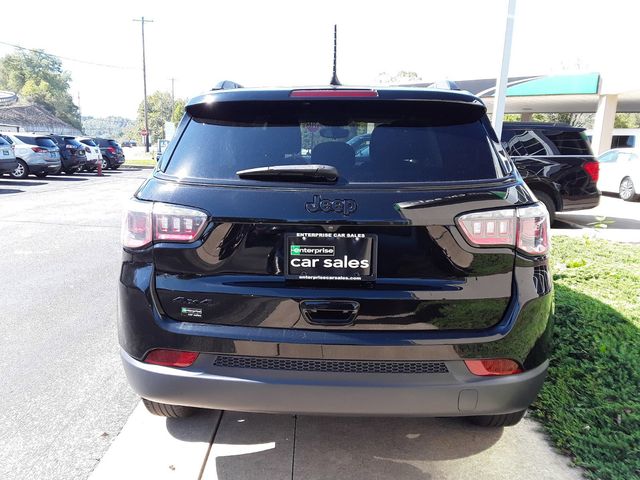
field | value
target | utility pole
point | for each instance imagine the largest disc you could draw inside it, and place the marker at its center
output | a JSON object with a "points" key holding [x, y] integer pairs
{"points": [[173, 98], [142, 21], [500, 97]]}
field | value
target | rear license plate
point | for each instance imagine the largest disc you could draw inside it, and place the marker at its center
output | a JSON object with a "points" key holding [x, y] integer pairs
{"points": [[330, 256]]}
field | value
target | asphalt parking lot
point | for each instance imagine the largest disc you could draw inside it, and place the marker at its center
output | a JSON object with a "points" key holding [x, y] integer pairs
{"points": [[67, 411]]}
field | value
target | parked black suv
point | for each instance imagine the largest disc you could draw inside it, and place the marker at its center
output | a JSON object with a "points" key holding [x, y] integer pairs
{"points": [[258, 278], [72, 154], [556, 162], [112, 154]]}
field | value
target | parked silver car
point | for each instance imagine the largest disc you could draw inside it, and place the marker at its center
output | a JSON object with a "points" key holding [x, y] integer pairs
{"points": [[36, 154], [8, 162]]}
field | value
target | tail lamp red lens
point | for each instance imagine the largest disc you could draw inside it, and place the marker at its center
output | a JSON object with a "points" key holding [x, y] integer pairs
{"points": [[171, 358], [526, 228], [146, 222], [39, 149], [493, 367], [111, 149], [593, 170], [329, 93]]}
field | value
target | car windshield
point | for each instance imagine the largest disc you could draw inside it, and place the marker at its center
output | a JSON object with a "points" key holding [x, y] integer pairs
{"points": [[392, 148]]}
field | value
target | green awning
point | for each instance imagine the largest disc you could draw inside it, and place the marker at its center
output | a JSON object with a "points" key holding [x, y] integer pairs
{"points": [[581, 84]]}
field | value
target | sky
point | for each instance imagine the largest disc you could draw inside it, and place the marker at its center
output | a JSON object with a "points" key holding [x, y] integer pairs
{"points": [[283, 43]]}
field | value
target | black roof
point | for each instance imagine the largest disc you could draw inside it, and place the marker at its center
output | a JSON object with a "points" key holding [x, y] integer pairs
{"points": [[540, 125]]}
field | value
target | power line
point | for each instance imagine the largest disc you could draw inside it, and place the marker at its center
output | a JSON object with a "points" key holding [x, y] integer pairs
{"points": [[87, 62]]}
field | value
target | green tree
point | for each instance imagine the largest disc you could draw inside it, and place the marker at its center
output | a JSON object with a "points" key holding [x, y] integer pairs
{"points": [[39, 78], [159, 110], [178, 110], [399, 78], [627, 120]]}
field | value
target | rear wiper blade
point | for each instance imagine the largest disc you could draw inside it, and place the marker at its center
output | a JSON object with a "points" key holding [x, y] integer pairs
{"points": [[292, 173]]}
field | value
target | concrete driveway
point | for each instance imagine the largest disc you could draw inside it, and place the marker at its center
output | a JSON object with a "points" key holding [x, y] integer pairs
{"points": [[232, 445], [622, 220]]}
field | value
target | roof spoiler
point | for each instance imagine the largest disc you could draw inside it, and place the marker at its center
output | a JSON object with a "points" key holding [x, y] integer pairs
{"points": [[226, 85]]}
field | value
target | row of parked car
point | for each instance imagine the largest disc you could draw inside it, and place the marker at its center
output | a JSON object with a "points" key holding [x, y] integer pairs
{"points": [[42, 154]]}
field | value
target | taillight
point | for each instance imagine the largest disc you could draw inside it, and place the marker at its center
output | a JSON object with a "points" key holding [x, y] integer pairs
{"points": [[177, 224], [533, 230], [111, 150], [496, 227], [593, 170], [39, 149], [493, 367], [146, 222], [333, 93], [171, 358], [526, 228], [87, 149]]}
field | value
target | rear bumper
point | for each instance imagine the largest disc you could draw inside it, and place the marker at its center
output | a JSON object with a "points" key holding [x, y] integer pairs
{"points": [[456, 393], [8, 165], [582, 202]]}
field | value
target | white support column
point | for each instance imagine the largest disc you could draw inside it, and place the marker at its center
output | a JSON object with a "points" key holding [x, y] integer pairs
{"points": [[501, 84], [526, 116], [603, 125]]}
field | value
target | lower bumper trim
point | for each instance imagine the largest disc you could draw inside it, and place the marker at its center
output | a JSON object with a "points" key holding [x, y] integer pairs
{"points": [[457, 393]]}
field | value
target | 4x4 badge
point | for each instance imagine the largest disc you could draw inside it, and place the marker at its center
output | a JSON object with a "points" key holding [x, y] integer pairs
{"points": [[346, 206]]}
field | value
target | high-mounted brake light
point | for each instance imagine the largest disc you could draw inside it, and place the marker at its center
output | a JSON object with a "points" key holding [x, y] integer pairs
{"points": [[593, 170], [327, 93], [526, 228], [493, 367], [171, 358], [146, 222]]}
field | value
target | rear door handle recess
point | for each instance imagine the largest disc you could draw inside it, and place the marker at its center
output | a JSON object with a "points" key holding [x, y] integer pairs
{"points": [[329, 312]]}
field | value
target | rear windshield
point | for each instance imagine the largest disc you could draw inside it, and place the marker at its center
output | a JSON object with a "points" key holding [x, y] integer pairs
{"points": [[88, 141], [545, 142], [363, 150], [113, 143], [3, 141], [72, 141], [40, 141]]}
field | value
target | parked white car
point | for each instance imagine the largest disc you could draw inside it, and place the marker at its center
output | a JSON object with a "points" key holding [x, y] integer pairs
{"points": [[93, 153], [620, 173]]}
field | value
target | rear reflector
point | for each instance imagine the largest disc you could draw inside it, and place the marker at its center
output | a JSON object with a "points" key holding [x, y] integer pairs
{"points": [[493, 367], [171, 358], [593, 170], [333, 93], [146, 222], [526, 228]]}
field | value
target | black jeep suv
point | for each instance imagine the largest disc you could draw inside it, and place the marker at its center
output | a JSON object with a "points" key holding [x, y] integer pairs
{"points": [[556, 162], [112, 154], [267, 270]]}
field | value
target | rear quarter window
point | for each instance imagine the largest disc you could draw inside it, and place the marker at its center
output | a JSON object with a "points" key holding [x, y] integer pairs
{"points": [[397, 150], [519, 143]]}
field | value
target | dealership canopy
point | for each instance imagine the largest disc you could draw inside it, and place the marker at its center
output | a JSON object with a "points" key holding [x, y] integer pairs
{"points": [[568, 93]]}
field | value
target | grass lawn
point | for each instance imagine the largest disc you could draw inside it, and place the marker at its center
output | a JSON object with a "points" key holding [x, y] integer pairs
{"points": [[141, 162], [590, 403]]}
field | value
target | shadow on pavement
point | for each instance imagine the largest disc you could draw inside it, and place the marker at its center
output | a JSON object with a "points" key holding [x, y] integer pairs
{"points": [[385, 447], [4, 191], [192, 429], [257, 446], [65, 179], [21, 183]]}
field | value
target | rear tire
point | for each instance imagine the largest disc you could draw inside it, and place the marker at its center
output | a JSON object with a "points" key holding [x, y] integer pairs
{"points": [[627, 190], [505, 420], [41, 174], [105, 163], [21, 171], [548, 202], [69, 172], [166, 410]]}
